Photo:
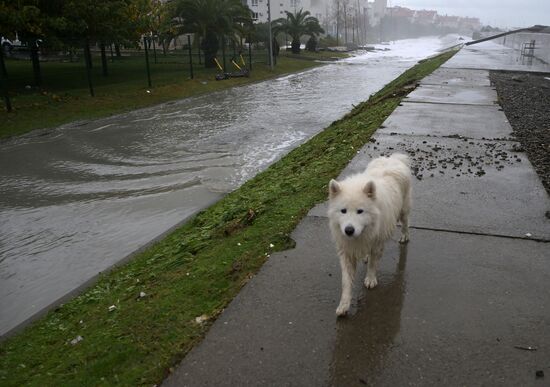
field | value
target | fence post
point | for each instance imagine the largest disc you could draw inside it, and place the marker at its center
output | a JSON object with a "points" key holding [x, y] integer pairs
{"points": [[147, 61], [190, 56], [249, 53], [112, 57], [154, 49], [36, 63], [223, 53], [87, 61], [199, 48], [3, 71], [4, 79], [103, 58]]}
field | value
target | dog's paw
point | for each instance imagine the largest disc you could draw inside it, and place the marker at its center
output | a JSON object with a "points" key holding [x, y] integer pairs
{"points": [[370, 282], [342, 310], [404, 239]]}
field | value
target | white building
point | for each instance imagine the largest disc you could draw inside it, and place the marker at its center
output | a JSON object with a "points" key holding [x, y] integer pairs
{"points": [[317, 8], [353, 15]]}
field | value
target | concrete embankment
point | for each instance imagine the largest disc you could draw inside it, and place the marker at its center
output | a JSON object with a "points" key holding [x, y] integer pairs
{"points": [[540, 40]]}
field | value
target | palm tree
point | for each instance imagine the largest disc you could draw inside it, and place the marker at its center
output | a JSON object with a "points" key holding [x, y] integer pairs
{"points": [[211, 19], [296, 25]]}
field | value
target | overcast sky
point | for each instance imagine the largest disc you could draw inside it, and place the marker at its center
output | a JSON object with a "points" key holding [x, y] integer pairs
{"points": [[502, 13]]}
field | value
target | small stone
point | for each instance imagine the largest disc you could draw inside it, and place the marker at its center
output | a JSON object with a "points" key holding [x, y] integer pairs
{"points": [[112, 307], [528, 234], [76, 340], [539, 374], [142, 294], [201, 319]]}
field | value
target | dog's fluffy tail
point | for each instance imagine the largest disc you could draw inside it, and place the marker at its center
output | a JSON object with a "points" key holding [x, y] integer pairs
{"points": [[402, 157]]}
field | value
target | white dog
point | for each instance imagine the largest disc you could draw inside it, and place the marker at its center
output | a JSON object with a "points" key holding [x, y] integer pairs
{"points": [[363, 212]]}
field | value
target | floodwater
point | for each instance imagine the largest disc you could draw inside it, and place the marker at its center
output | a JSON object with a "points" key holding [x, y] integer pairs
{"points": [[79, 198]]}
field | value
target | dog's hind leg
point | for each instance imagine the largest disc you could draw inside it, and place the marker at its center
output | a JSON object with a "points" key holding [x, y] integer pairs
{"points": [[347, 264], [372, 265], [404, 220]]}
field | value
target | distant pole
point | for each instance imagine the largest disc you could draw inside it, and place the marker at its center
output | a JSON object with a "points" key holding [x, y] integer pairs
{"points": [[3, 71], [199, 48], [249, 52], [337, 23], [366, 24], [4, 79], [36, 63], [223, 54], [190, 56], [154, 49], [147, 61], [112, 56], [88, 61], [345, 25], [358, 23], [270, 35], [6, 94], [103, 59], [352, 30]]}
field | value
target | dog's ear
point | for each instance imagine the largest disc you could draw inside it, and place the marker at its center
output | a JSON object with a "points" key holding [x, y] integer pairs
{"points": [[370, 189], [333, 188]]}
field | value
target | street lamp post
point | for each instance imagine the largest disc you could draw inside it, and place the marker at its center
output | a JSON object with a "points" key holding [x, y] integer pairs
{"points": [[270, 35]]}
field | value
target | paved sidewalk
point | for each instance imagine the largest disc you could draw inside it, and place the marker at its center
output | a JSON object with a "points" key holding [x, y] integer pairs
{"points": [[453, 307]]}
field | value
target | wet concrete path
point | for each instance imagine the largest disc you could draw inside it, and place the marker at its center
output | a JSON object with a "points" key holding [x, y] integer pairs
{"points": [[79, 198], [458, 305]]}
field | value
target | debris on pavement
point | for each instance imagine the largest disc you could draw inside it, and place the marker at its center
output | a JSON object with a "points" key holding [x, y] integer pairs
{"points": [[525, 347]]}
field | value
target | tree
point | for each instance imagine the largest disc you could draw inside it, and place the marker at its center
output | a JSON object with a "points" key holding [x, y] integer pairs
{"points": [[311, 44], [297, 25], [34, 20], [106, 22], [210, 20]]}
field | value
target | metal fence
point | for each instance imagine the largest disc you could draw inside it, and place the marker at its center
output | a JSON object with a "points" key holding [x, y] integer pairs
{"points": [[75, 72]]}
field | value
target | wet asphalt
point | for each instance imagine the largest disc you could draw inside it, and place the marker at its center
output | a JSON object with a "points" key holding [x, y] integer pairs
{"points": [[466, 302]]}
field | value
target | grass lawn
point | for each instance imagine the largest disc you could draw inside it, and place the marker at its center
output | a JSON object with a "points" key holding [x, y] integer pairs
{"points": [[320, 55], [195, 271], [65, 96]]}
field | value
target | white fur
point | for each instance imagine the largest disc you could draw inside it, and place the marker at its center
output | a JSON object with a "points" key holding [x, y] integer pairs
{"points": [[373, 202]]}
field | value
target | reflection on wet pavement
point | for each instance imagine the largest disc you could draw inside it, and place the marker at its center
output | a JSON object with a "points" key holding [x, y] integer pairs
{"points": [[363, 340]]}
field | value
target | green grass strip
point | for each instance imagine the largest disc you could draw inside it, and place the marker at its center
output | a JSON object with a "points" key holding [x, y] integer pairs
{"points": [[195, 271]]}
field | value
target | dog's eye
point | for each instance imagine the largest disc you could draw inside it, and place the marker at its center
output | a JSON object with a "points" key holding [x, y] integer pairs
{"points": [[343, 210], [360, 211]]}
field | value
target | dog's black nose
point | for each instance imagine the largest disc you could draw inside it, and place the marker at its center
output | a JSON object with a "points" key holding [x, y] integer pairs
{"points": [[349, 230]]}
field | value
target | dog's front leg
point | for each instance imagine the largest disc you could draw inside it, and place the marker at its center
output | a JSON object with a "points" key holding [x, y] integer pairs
{"points": [[372, 265], [347, 264]]}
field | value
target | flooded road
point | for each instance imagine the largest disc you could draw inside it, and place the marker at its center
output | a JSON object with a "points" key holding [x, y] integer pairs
{"points": [[82, 197]]}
